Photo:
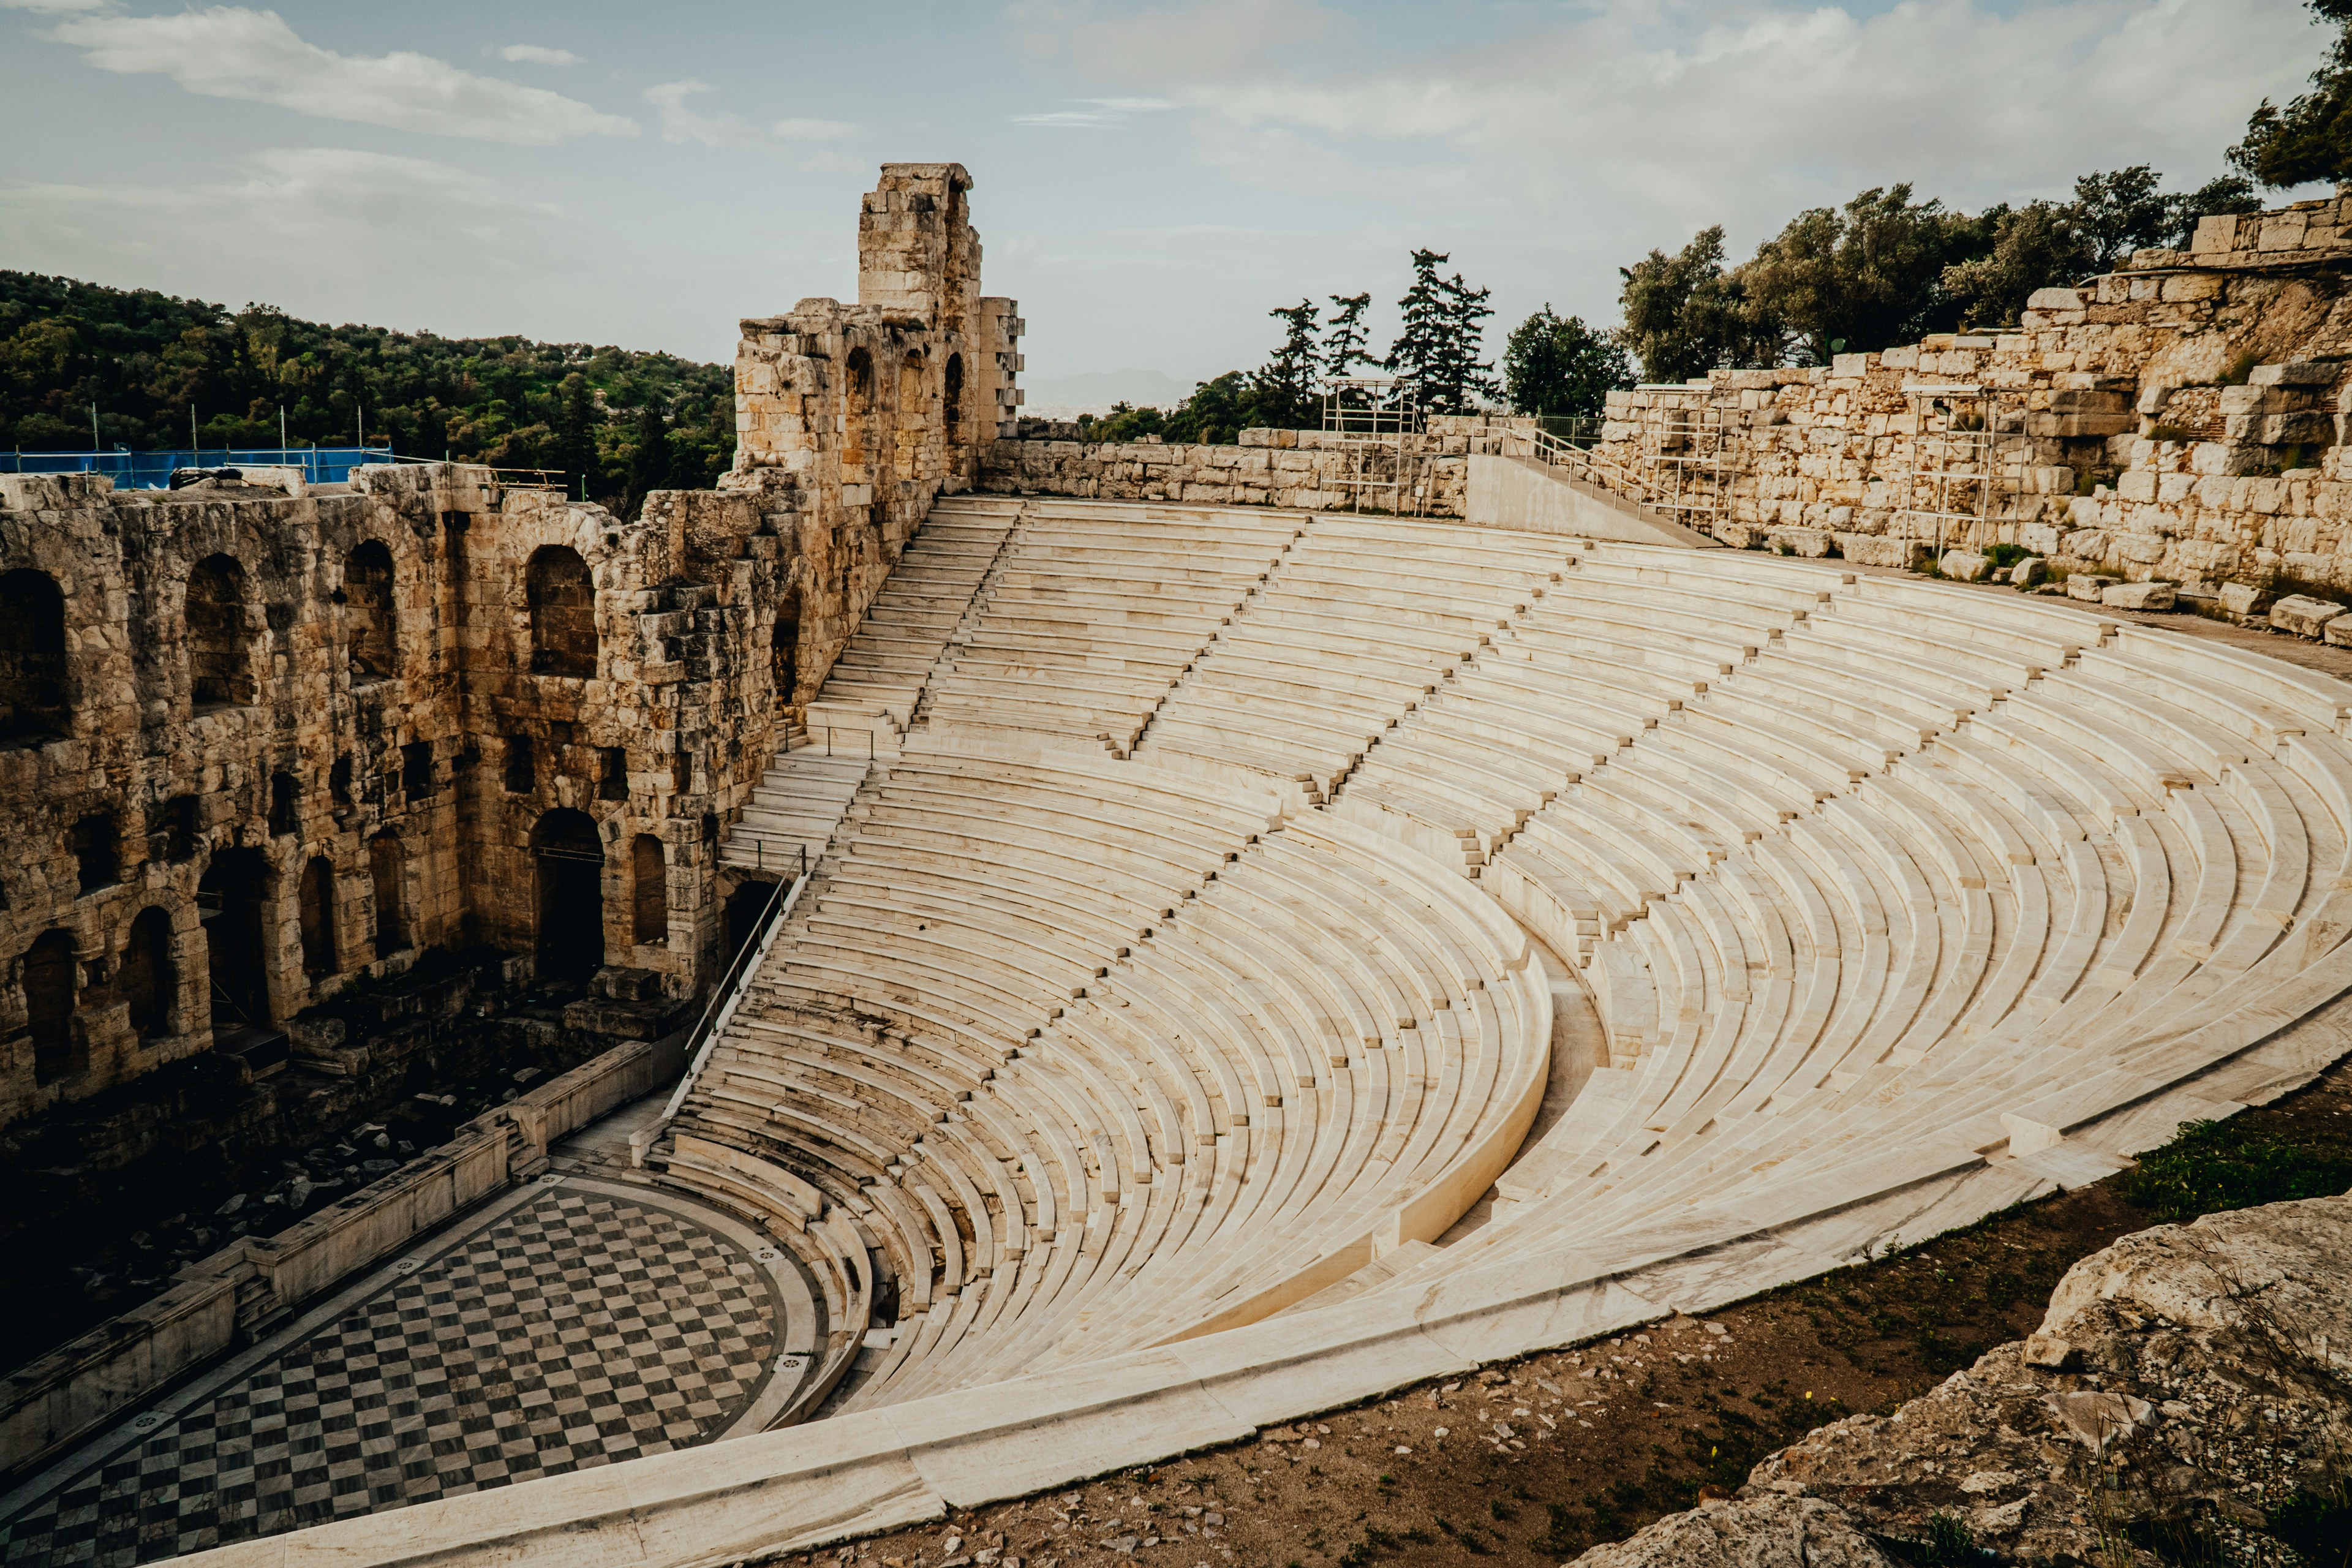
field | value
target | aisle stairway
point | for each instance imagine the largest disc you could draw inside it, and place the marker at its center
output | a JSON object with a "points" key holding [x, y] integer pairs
{"points": [[1877, 885]]}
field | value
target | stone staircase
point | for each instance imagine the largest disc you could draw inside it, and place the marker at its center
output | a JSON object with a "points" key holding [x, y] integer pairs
{"points": [[793, 810]]}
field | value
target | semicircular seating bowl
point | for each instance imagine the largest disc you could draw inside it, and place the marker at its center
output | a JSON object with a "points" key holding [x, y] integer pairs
{"points": [[1876, 886]]}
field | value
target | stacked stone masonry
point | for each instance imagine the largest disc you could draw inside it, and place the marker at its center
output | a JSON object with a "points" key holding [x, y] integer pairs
{"points": [[259, 738]]}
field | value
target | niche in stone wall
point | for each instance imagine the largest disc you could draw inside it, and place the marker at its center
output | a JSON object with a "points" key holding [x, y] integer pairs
{"points": [[649, 891], [97, 851], [338, 781], [176, 819], [562, 598], [857, 402], [32, 658], [51, 975], [521, 765], [371, 617], [285, 800], [416, 770], [952, 396], [151, 981], [612, 783], [383, 878], [785, 648], [316, 913], [569, 858], [220, 643], [230, 899]]}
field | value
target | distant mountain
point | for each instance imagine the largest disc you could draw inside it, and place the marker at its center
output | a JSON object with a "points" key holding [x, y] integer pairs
{"points": [[1096, 391]]}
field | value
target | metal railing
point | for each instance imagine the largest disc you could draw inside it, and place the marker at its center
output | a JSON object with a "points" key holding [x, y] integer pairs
{"points": [[1588, 464], [319, 465]]}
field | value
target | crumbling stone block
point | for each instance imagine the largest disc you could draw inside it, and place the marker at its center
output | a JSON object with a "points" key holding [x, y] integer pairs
{"points": [[2150, 595], [1964, 566], [2304, 616]]}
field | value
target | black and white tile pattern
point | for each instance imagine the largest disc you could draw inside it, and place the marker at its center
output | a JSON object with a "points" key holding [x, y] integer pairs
{"points": [[579, 1330]]}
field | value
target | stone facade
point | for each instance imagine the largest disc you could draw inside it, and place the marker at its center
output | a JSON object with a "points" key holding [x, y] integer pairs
{"points": [[1302, 469], [2181, 419], [259, 739]]}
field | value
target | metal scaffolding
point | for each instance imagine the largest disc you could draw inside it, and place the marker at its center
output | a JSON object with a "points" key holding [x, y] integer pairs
{"points": [[1373, 416], [1968, 452], [1688, 442]]}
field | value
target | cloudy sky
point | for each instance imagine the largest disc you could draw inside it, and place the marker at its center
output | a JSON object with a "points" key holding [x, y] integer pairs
{"points": [[1150, 178]]}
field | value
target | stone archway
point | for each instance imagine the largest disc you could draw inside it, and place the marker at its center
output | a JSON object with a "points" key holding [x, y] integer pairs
{"points": [[569, 857], [230, 902]]}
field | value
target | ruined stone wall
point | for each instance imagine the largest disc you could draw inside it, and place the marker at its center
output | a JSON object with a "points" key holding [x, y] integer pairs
{"points": [[2180, 419], [850, 418], [1302, 469], [258, 740]]}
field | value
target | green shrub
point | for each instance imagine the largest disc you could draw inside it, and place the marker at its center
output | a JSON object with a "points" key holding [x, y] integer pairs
{"points": [[2212, 1166]]}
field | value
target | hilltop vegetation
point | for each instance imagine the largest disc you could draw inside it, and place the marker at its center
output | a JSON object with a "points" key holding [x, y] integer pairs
{"points": [[615, 421]]}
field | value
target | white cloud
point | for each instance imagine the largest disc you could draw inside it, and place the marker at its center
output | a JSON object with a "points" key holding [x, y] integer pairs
{"points": [[536, 55], [814, 130], [679, 123], [1100, 114], [230, 51], [57, 7]]}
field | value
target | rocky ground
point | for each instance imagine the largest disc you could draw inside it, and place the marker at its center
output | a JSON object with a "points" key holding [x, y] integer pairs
{"points": [[2175, 1426]]}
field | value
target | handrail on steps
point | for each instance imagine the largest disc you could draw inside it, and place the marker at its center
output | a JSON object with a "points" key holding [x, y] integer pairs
{"points": [[720, 1009], [1589, 465]]}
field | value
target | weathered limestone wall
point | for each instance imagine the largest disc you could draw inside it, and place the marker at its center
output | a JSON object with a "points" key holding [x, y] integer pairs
{"points": [[259, 739], [2180, 419], [1295, 468]]}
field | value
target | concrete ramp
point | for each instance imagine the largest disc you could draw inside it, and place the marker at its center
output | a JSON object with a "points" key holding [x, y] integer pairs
{"points": [[1522, 494]]}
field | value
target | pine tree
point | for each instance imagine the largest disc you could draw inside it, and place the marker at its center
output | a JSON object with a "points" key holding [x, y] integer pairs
{"points": [[1437, 348], [1343, 338], [1463, 375], [1282, 391]]}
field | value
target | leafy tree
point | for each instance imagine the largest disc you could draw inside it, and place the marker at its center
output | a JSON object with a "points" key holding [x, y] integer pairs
{"points": [[1437, 348], [649, 462], [1559, 366], [1343, 337], [1847, 282], [1684, 315], [2121, 212], [1216, 414], [2311, 138], [1282, 391], [1124, 422], [2223, 193], [148, 358], [2038, 245]]}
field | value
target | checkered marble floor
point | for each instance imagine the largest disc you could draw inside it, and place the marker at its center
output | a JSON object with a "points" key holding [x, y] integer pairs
{"points": [[576, 1330]]}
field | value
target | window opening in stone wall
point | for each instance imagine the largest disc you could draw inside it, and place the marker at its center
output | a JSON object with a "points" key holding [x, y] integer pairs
{"points": [[50, 975], [416, 770], [570, 859], [151, 981], [370, 614], [857, 395], [650, 893], [784, 648], [96, 850], [338, 781], [229, 905], [614, 781], [32, 658], [318, 916], [523, 766], [562, 612], [177, 818], [681, 772], [220, 654], [384, 877], [284, 798], [951, 392]]}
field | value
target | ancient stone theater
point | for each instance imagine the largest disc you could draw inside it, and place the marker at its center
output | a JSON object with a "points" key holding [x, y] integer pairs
{"points": [[1077, 951]]}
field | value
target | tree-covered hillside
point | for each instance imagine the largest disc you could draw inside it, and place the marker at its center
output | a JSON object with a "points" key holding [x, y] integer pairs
{"points": [[627, 422]]}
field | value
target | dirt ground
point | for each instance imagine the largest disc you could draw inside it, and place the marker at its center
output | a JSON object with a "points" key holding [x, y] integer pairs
{"points": [[1534, 1461]]}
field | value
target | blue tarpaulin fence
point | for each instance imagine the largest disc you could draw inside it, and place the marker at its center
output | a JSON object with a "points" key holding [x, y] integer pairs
{"points": [[152, 470]]}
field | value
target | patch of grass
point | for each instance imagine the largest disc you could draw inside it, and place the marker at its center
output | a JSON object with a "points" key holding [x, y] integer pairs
{"points": [[2184, 1542], [2240, 368], [2004, 556], [2214, 1166], [2317, 1524], [1945, 1541]]}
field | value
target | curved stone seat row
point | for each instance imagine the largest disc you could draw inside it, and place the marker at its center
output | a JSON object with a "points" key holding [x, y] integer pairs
{"points": [[1093, 1056], [1871, 880]]}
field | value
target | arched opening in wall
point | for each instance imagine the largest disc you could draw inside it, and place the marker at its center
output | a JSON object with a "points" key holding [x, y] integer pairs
{"points": [[649, 891], [562, 612], [383, 878], [858, 403], [318, 916], [370, 614], [952, 398], [785, 648], [284, 797], [151, 980], [32, 658], [220, 651], [570, 858], [51, 975], [230, 904], [97, 851]]}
